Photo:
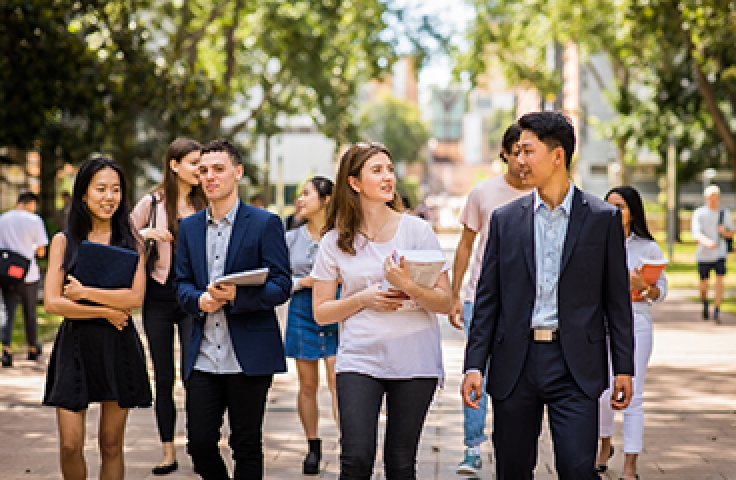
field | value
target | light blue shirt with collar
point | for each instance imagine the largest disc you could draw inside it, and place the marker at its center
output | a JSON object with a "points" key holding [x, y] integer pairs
{"points": [[216, 353], [550, 231]]}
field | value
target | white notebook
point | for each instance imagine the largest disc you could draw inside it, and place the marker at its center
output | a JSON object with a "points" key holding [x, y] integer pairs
{"points": [[248, 277]]}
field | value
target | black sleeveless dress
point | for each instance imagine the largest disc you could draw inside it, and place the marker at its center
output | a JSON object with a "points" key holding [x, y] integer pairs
{"points": [[92, 361]]}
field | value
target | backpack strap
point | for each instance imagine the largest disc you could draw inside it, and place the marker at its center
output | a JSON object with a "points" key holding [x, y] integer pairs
{"points": [[152, 211]]}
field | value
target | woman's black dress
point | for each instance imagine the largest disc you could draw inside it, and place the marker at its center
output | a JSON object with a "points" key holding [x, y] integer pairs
{"points": [[92, 361]]}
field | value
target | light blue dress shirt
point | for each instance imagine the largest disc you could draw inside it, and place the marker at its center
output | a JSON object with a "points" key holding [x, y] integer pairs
{"points": [[550, 231], [216, 353]]}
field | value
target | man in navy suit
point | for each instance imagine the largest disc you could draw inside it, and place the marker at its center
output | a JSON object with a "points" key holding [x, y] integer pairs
{"points": [[236, 344], [554, 282]]}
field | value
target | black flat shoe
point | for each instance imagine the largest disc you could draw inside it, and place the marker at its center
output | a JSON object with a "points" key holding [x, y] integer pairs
{"points": [[635, 476], [165, 469], [604, 468]]}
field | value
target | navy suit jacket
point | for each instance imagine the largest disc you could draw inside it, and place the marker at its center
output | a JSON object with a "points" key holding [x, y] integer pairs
{"points": [[257, 240], [593, 296]]}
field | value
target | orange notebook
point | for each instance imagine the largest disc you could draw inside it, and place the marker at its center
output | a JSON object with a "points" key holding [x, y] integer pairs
{"points": [[651, 271]]}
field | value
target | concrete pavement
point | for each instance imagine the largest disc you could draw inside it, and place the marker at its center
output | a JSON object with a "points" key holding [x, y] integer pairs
{"points": [[690, 405]]}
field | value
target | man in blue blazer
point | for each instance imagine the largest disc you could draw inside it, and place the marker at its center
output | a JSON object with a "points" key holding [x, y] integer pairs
{"points": [[236, 345], [554, 283]]}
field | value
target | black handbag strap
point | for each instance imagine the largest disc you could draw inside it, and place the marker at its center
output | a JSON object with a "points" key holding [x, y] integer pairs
{"points": [[152, 212]]}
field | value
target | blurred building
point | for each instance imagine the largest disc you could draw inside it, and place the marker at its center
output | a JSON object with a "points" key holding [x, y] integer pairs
{"points": [[402, 83], [297, 153]]}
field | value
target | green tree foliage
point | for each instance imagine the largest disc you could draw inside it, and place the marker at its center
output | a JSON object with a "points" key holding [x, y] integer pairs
{"points": [[689, 69], [672, 60], [273, 58], [397, 124], [126, 77], [76, 78]]}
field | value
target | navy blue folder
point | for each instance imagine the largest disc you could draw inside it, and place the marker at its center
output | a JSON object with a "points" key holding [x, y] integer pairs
{"points": [[103, 266]]}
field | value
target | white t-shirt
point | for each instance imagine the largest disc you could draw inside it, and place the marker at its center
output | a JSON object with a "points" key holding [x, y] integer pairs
{"points": [[23, 232], [485, 197], [637, 250], [389, 345], [705, 221]]}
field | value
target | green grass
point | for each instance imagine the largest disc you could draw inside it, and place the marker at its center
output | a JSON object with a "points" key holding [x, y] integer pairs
{"points": [[47, 325], [682, 273]]}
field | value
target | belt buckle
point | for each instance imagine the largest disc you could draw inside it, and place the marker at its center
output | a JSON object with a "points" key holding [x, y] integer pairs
{"points": [[543, 335]]}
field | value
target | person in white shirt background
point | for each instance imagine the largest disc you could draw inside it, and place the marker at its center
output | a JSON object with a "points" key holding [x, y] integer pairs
{"points": [[640, 246], [22, 231], [710, 226]]}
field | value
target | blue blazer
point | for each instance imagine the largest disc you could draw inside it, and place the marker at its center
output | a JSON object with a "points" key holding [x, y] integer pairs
{"points": [[257, 240], [593, 296]]}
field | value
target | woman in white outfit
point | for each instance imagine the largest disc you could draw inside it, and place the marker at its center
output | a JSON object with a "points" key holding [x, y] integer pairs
{"points": [[639, 246]]}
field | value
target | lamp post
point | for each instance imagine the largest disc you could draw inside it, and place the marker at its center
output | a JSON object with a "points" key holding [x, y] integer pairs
{"points": [[671, 198]]}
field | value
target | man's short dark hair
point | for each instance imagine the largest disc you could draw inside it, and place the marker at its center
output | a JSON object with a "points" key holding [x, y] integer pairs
{"points": [[224, 146], [553, 129], [510, 137], [26, 196]]}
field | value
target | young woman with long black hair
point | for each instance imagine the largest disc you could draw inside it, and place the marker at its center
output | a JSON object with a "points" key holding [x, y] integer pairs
{"points": [[640, 246], [177, 196], [97, 355], [305, 340]]}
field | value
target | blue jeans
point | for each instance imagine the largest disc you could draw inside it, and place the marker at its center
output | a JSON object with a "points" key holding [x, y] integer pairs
{"points": [[474, 421]]}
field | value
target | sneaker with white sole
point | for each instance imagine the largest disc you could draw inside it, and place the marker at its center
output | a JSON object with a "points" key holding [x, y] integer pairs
{"points": [[470, 465]]}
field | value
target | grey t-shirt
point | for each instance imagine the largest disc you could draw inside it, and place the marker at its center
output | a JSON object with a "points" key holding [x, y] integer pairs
{"points": [[302, 252], [705, 221]]}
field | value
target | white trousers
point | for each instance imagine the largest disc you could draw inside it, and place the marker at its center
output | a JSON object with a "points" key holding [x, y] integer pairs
{"points": [[634, 413]]}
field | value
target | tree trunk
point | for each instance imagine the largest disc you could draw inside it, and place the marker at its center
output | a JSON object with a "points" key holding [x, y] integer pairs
{"points": [[711, 103], [49, 167]]}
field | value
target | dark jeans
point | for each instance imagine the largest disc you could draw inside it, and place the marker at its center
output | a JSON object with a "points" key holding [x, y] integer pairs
{"points": [[359, 399], [573, 419], [159, 319], [27, 293], [244, 397]]}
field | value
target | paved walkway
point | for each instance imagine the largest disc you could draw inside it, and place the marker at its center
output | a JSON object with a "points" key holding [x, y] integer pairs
{"points": [[690, 404]]}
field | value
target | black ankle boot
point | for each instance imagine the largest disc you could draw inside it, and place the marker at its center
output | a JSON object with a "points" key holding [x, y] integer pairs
{"points": [[311, 461], [7, 359]]}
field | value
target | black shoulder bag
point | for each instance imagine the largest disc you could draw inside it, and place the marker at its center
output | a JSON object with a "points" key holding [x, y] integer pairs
{"points": [[151, 248], [729, 241]]}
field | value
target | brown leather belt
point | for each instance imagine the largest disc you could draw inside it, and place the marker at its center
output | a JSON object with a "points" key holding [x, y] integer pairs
{"points": [[545, 335]]}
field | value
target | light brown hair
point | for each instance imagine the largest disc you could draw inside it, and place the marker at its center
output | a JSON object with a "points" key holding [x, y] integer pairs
{"points": [[168, 189], [344, 211]]}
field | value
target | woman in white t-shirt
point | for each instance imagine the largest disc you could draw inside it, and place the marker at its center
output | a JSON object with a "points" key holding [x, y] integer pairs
{"points": [[387, 347], [640, 246]]}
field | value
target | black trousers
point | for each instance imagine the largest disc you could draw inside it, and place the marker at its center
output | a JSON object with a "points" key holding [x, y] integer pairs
{"points": [[573, 419], [244, 398], [27, 293], [159, 320], [359, 399]]}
